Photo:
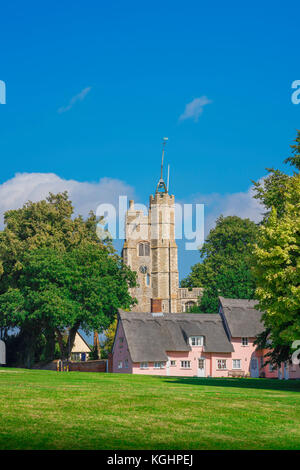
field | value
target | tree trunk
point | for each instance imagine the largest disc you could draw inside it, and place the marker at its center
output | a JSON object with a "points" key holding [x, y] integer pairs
{"points": [[66, 349]]}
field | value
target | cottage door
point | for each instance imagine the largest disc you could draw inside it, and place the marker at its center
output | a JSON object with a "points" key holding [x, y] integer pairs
{"points": [[286, 371], [254, 372], [201, 367]]}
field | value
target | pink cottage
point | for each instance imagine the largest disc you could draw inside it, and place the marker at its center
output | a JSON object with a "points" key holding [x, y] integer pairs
{"points": [[195, 345]]}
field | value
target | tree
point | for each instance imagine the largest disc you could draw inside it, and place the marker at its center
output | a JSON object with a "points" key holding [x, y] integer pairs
{"points": [[47, 224], [68, 290], [272, 189], [276, 258], [226, 267], [277, 273], [294, 160], [109, 338]]}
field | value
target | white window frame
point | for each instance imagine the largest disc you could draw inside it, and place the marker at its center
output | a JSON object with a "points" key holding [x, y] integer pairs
{"points": [[185, 364], [173, 365], [234, 366], [221, 361], [245, 341], [158, 365], [144, 365], [198, 340], [120, 365], [76, 356]]}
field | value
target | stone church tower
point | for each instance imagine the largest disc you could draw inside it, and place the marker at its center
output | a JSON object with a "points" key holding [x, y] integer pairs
{"points": [[150, 249]]}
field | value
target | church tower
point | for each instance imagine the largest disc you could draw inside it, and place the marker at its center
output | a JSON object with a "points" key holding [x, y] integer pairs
{"points": [[150, 249]]}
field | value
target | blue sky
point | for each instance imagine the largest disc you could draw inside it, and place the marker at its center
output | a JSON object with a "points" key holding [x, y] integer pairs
{"points": [[92, 87]]}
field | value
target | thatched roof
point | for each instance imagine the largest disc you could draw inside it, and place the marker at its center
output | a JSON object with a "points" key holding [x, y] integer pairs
{"points": [[150, 336], [242, 319]]}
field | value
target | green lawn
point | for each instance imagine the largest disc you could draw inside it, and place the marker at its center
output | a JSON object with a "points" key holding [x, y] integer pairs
{"points": [[77, 410]]}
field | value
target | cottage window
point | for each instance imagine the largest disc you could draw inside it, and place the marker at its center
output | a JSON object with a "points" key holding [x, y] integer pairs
{"points": [[144, 365], [236, 364], [126, 363], [221, 364], [185, 364], [245, 342], [76, 356], [173, 363], [159, 365], [144, 249], [196, 340], [120, 365]]}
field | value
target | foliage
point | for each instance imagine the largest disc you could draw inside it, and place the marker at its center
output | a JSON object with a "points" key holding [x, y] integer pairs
{"points": [[294, 160], [277, 272], [59, 290], [225, 269], [109, 341], [43, 288], [270, 191]]}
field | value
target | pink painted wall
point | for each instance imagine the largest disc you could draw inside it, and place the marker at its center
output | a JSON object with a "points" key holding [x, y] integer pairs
{"points": [[293, 370], [244, 353], [121, 352]]}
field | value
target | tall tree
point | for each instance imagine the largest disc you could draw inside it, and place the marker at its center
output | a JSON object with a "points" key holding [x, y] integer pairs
{"points": [[276, 262], [47, 224], [225, 269], [68, 290]]}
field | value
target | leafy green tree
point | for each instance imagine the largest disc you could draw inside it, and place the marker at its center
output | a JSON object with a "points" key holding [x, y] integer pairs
{"points": [[277, 273], [66, 290], [109, 338], [226, 267], [279, 194], [44, 225], [271, 191], [294, 160]]}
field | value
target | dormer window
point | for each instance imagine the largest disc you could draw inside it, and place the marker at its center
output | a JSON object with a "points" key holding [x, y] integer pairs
{"points": [[144, 249], [245, 341], [196, 340]]}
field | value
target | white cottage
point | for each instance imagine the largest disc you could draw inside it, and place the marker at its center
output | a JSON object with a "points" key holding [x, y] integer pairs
{"points": [[81, 350], [2, 352]]}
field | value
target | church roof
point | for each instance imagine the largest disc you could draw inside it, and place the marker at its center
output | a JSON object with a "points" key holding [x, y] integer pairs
{"points": [[150, 336], [242, 318]]}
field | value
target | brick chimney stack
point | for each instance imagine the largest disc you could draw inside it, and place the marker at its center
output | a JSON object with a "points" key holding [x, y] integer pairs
{"points": [[156, 306]]}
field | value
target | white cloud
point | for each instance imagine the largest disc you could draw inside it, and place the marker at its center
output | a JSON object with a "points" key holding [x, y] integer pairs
{"points": [[79, 97], [241, 204], [84, 196], [194, 109]]}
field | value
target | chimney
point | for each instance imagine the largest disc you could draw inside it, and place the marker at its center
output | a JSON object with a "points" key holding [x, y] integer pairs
{"points": [[131, 204], [156, 306]]}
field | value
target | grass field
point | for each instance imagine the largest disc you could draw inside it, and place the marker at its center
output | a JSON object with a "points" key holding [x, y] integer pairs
{"points": [[77, 410]]}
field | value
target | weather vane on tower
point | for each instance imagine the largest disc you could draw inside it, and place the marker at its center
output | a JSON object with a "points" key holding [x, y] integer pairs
{"points": [[161, 186]]}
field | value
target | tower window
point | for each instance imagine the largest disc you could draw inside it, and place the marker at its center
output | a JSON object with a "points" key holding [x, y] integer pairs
{"points": [[144, 249], [148, 280]]}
